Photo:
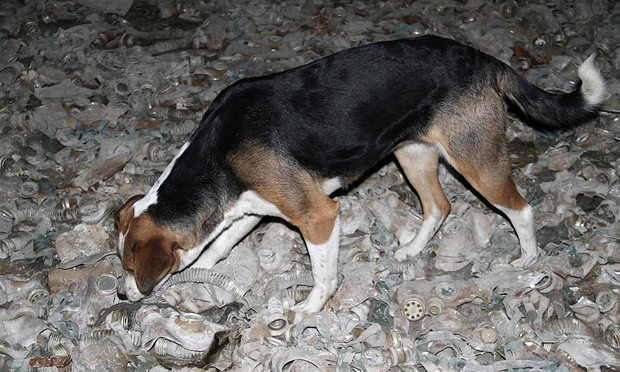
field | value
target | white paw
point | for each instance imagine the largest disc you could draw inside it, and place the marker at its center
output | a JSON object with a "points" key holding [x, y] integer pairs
{"points": [[525, 261], [401, 255], [307, 307], [314, 302]]}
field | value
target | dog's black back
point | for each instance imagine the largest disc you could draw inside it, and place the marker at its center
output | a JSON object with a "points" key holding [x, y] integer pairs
{"points": [[340, 114]]}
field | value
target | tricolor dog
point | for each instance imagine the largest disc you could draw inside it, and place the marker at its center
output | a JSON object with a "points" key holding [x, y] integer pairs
{"points": [[279, 145]]}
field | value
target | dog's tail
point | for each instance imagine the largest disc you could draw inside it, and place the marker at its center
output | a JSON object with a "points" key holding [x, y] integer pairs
{"points": [[556, 110]]}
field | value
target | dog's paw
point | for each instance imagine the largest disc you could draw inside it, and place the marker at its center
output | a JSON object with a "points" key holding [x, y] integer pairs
{"points": [[306, 307], [314, 302], [401, 255], [525, 261]]}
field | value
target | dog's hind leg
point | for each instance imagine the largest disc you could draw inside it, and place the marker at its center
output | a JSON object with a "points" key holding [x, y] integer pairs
{"points": [[498, 187], [471, 137], [420, 162]]}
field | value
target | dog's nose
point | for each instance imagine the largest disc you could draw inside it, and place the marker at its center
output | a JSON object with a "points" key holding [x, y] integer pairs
{"points": [[120, 293]]}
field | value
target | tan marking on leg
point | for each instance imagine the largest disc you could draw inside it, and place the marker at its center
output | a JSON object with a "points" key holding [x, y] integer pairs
{"points": [[298, 196], [290, 188], [420, 162], [324, 259], [471, 134], [317, 225], [421, 169]]}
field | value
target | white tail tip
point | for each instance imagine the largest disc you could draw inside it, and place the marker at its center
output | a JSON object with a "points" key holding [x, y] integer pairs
{"points": [[593, 85]]}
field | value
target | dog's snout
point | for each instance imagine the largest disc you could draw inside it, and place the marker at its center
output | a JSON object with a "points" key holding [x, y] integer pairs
{"points": [[128, 290], [120, 291]]}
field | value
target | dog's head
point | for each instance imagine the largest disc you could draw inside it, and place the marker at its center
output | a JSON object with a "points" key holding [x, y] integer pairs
{"points": [[149, 254]]}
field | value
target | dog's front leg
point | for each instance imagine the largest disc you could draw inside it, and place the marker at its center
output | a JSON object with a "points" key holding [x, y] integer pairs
{"points": [[324, 260], [223, 244]]}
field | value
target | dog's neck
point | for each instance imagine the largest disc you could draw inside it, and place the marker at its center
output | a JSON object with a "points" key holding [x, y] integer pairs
{"points": [[195, 193]]}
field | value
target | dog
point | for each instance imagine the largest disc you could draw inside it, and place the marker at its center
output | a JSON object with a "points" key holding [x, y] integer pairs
{"points": [[280, 145]]}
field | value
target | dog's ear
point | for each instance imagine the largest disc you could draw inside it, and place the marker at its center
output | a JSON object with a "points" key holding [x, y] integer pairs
{"points": [[125, 213], [153, 261]]}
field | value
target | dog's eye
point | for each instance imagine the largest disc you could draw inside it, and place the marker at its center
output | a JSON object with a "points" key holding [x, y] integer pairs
{"points": [[127, 268], [127, 256]]}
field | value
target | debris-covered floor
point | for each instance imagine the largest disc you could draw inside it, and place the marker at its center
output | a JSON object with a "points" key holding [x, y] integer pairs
{"points": [[97, 96]]}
